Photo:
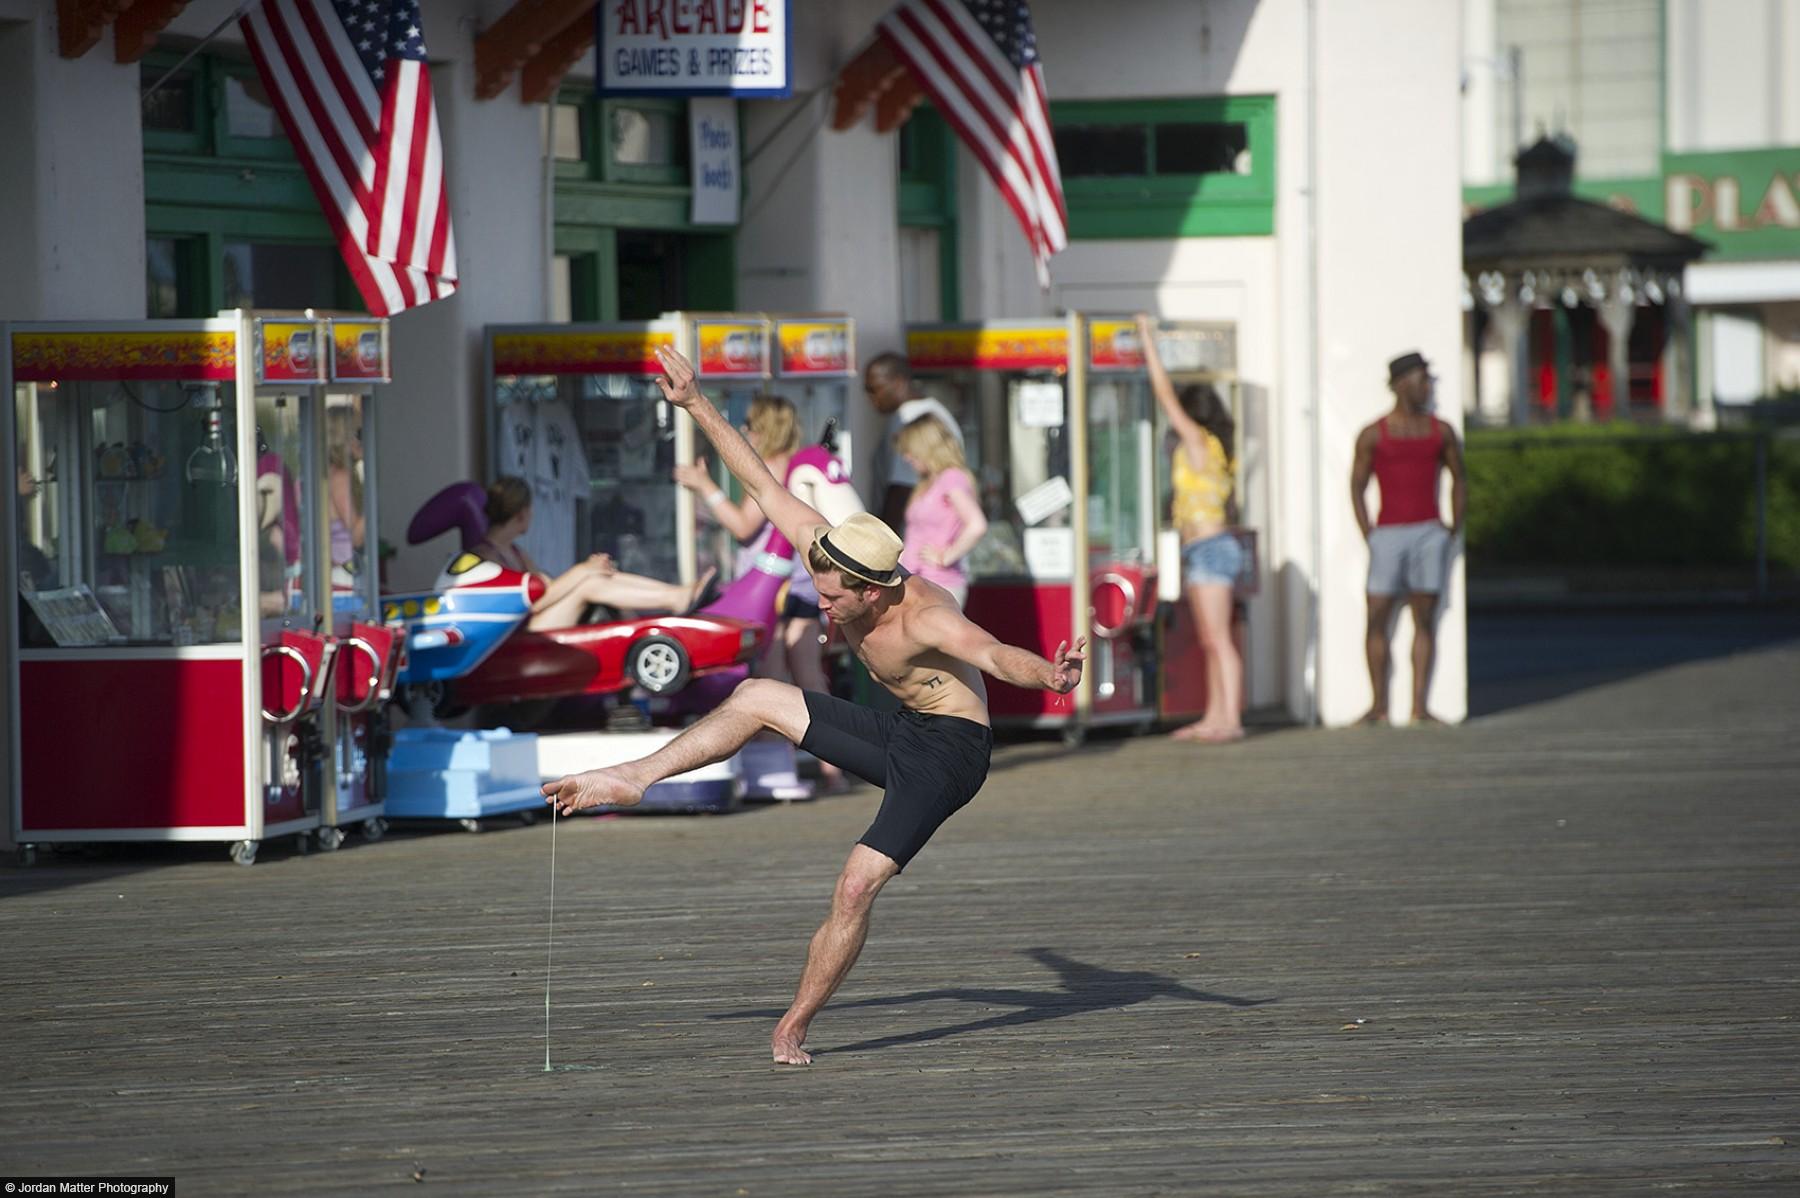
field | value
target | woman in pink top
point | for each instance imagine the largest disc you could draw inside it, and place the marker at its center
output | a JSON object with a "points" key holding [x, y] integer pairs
{"points": [[943, 518]]}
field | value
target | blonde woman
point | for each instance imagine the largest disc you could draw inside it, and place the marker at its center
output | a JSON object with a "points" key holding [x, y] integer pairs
{"points": [[1201, 432], [796, 654], [943, 518], [568, 595], [344, 458]]}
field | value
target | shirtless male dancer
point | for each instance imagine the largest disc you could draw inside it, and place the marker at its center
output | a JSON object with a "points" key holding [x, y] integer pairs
{"points": [[930, 757]]}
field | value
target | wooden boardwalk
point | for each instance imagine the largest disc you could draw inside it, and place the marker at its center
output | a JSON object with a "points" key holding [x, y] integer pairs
{"points": [[1556, 951]]}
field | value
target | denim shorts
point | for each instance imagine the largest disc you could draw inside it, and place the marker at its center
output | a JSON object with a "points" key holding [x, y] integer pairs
{"points": [[1212, 561]]}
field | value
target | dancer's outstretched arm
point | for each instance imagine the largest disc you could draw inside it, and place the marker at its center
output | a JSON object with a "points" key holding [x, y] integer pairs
{"points": [[796, 521], [949, 631]]}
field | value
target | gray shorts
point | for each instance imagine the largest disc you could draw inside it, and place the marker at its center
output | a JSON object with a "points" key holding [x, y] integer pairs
{"points": [[1408, 559]]}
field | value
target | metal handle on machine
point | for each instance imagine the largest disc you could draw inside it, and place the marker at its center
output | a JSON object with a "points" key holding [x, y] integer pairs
{"points": [[305, 686], [374, 695], [1124, 584]]}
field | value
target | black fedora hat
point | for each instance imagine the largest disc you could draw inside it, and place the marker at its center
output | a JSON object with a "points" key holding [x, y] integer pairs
{"points": [[1405, 364]]}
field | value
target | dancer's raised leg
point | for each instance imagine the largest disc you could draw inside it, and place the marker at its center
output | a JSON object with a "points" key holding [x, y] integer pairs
{"points": [[755, 705]]}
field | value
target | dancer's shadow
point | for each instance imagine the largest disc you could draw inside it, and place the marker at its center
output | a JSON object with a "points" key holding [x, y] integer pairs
{"points": [[1084, 988]]}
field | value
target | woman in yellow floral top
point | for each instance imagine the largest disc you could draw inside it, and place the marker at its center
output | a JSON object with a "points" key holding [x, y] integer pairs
{"points": [[1201, 432]]}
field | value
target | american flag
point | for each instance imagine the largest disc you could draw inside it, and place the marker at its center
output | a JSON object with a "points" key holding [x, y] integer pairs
{"points": [[350, 81], [978, 61]]}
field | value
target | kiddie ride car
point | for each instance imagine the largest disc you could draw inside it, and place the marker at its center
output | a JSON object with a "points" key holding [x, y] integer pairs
{"points": [[466, 642]]}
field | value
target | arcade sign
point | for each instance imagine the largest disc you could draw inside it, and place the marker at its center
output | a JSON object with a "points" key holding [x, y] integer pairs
{"points": [[359, 351], [627, 350], [730, 349], [1113, 346], [693, 48], [820, 348], [290, 351]]}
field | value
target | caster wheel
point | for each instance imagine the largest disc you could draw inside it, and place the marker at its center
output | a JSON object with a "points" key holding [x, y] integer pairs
{"points": [[302, 844], [28, 855], [469, 825], [244, 851], [528, 818], [330, 839], [374, 829]]}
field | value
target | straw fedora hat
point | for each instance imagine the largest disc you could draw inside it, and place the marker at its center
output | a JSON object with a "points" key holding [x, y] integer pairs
{"points": [[864, 548]]}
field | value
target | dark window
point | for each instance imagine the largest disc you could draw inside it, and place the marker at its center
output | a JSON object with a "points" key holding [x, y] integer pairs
{"points": [[280, 276], [1098, 150], [1203, 148], [170, 108], [162, 277], [650, 273]]}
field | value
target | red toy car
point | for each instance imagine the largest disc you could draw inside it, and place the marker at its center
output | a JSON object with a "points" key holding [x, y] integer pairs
{"points": [[660, 654], [467, 639]]}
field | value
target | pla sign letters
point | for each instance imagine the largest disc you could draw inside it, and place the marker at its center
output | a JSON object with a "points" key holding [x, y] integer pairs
{"points": [[693, 48]]}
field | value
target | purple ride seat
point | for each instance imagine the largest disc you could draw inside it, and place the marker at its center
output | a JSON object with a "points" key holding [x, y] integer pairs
{"points": [[462, 506]]}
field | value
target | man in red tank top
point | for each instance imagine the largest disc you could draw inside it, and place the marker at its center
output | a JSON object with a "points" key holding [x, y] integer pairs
{"points": [[1409, 545]]}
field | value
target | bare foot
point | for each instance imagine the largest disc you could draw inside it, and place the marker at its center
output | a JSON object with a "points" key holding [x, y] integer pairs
{"points": [[596, 788], [1425, 719], [1376, 716], [1217, 736], [1188, 731], [786, 1045], [700, 585]]}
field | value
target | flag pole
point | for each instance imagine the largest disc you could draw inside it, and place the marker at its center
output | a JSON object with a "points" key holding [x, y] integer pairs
{"points": [[201, 45]]}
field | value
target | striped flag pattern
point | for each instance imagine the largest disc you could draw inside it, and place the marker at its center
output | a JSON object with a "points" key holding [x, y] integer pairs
{"points": [[978, 61], [350, 81]]}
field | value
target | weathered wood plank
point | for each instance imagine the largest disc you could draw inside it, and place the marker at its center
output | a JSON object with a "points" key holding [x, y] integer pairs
{"points": [[1550, 952]]}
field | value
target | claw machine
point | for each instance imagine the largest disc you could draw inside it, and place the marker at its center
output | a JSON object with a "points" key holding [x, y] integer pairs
{"points": [[368, 648], [1058, 427], [171, 667], [815, 367], [576, 411]]}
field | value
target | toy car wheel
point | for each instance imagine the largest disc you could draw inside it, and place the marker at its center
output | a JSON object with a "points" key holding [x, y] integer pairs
{"points": [[659, 664]]}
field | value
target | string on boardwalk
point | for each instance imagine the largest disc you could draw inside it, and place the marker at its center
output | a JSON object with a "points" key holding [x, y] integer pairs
{"points": [[549, 936]]}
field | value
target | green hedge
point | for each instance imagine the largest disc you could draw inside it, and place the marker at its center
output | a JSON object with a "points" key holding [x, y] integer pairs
{"points": [[1597, 496]]}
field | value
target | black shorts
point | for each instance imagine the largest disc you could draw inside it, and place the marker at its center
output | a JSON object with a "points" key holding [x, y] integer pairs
{"points": [[929, 765]]}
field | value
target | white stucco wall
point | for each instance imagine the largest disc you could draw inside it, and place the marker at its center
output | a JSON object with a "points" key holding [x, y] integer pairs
{"points": [[1387, 270], [1733, 74], [1390, 250], [72, 208]]}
